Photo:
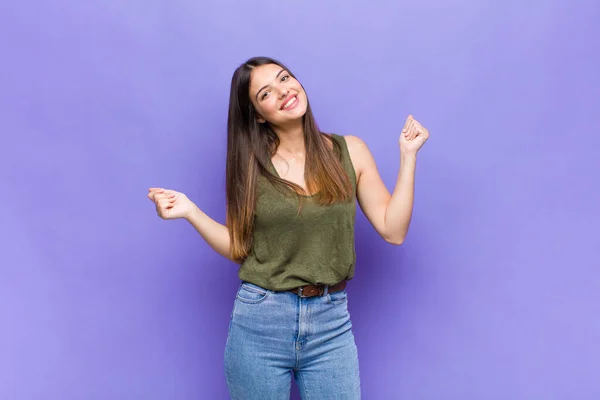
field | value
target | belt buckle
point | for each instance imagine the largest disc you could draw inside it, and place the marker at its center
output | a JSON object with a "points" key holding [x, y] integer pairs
{"points": [[321, 291]]}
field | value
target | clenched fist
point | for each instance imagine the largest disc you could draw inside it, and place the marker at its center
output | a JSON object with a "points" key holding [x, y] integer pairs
{"points": [[413, 136], [170, 204]]}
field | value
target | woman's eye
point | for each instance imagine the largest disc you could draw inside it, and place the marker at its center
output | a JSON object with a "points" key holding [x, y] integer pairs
{"points": [[264, 95], [284, 78]]}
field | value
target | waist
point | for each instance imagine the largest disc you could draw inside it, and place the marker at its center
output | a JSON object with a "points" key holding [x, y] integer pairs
{"points": [[318, 290]]}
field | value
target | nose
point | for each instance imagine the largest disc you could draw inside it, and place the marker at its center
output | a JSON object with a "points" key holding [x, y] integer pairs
{"points": [[283, 92]]}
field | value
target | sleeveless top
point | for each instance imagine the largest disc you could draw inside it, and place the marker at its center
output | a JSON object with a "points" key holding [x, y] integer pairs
{"points": [[315, 246]]}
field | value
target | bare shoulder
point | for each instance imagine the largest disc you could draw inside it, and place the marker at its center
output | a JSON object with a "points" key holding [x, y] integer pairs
{"points": [[359, 152], [354, 141], [356, 146]]}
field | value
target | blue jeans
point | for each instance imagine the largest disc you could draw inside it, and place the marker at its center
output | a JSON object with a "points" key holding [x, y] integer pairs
{"points": [[272, 334]]}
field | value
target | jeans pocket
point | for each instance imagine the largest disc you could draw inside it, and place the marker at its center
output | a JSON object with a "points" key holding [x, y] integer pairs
{"points": [[339, 297], [252, 294]]}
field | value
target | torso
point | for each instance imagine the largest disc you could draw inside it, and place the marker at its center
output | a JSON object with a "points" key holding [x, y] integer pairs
{"points": [[294, 246]]}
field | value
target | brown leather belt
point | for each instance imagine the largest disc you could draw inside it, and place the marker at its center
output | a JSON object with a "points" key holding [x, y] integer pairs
{"points": [[317, 290]]}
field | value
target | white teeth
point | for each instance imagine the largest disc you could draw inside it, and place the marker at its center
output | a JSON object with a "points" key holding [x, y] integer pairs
{"points": [[289, 103]]}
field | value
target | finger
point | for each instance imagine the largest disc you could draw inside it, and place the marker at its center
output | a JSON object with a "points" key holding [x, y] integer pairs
{"points": [[152, 191], [165, 195], [164, 214], [422, 131], [419, 126], [169, 193], [423, 134], [409, 122], [416, 133], [152, 195], [165, 198], [412, 133], [417, 129], [158, 197], [406, 124]]}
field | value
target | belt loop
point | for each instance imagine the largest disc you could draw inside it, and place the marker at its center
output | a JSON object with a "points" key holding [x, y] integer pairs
{"points": [[300, 291], [326, 290]]}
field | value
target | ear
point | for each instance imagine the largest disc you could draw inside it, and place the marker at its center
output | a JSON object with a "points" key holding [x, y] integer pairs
{"points": [[260, 120]]}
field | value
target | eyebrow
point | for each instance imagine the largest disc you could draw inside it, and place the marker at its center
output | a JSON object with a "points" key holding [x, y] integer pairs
{"points": [[261, 89]]}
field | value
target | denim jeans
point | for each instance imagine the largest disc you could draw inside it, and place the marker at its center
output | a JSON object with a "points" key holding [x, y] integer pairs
{"points": [[274, 334]]}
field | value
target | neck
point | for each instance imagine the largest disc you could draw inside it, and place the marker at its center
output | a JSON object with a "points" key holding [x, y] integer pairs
{"points": [[291, 138]]}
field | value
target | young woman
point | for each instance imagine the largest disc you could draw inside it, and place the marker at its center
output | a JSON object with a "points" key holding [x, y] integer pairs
{"points": [[291, 204]]}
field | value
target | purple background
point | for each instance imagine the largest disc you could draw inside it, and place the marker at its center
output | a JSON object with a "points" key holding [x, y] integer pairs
{"points": [[494, 295]]}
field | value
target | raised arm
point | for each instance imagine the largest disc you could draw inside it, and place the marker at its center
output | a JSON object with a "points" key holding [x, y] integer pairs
{"points": [[171, 204], [390, 214]]}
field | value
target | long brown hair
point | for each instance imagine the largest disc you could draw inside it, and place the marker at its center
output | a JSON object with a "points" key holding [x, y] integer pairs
{"points": [[250, 146]]}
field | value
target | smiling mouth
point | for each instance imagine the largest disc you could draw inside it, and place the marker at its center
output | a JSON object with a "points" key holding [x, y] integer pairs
{"points": [[290, 102]]}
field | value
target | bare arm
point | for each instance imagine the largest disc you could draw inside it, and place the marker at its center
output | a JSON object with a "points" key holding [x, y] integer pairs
{"points": [[214, 233], [171, 204], [390, 215]]}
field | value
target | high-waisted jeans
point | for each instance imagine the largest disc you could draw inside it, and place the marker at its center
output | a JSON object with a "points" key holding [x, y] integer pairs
{"points": [[272, 334]]}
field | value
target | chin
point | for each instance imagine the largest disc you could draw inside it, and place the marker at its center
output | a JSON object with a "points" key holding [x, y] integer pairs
{"points": [[297, 115], [288, 121], [285, 119]]}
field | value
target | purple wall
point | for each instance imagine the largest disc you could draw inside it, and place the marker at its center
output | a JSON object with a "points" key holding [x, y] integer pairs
{"points": [[494, 295]]}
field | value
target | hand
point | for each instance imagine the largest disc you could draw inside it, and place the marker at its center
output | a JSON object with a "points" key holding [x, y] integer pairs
{"points": [[170, 204], [413, 136]]}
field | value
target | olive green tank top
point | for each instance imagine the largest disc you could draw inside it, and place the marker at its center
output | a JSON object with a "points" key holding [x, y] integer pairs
{"points": [[289, 249]]}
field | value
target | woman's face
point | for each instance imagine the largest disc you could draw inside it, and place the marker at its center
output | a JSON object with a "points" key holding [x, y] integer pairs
{"points": [[276, 95]]}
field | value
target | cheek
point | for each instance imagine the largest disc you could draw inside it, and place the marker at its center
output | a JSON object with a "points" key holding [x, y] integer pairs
{"points": [[268, 106]]}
